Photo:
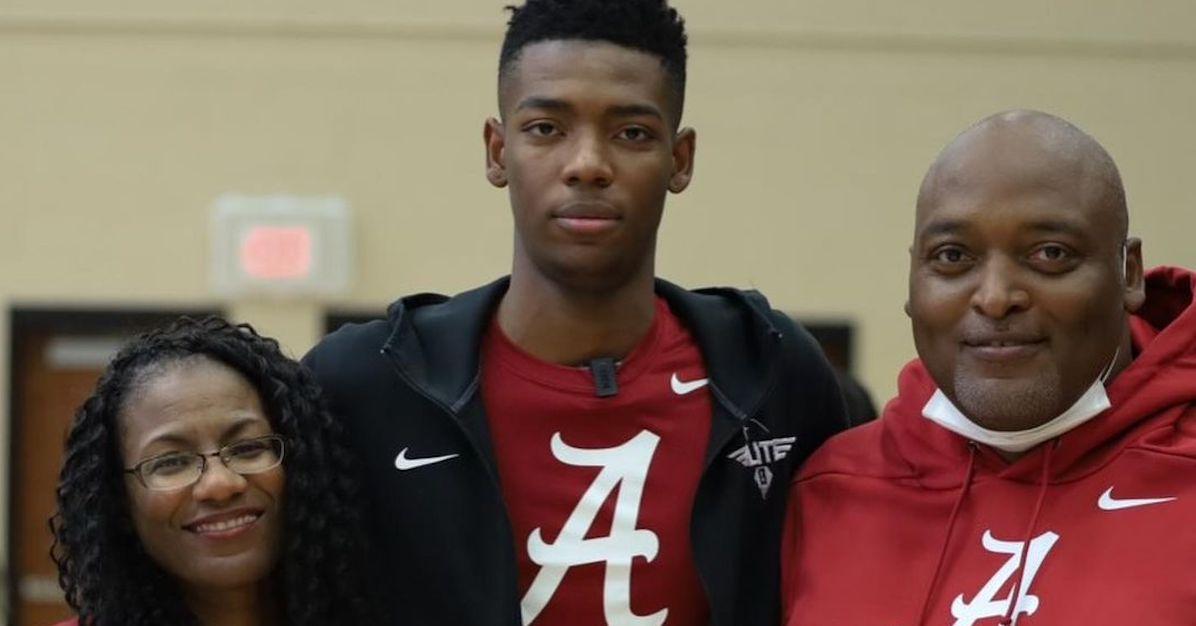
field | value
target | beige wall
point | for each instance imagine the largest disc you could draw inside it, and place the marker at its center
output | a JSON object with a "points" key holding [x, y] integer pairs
{"points": [[815, 122]]}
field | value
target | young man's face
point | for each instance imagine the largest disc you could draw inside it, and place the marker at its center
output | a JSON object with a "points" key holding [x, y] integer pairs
{"points": [[588, 148]]}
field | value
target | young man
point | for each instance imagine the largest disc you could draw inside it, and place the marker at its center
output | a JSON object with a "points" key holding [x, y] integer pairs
{"points": [[1039, 463], [582, 443]]}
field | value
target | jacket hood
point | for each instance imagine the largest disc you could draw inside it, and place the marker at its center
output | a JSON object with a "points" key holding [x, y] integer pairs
{"points": [[1152, 391]]}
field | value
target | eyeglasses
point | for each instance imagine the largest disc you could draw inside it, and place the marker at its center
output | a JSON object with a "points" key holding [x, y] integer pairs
{"points": [[175, 470]]}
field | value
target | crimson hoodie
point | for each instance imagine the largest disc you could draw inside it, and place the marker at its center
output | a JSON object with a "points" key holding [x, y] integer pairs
{"points": [[901, 522]]}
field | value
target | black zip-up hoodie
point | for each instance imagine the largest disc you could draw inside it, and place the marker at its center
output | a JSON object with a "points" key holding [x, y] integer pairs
{"points": [[443, 545]]}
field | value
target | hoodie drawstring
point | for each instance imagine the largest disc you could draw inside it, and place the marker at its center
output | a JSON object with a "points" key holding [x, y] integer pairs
{"points": [[963, 494], [1010, 618]]}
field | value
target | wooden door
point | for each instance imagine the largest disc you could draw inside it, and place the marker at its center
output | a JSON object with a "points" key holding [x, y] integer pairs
{"points": [[51, 388]]}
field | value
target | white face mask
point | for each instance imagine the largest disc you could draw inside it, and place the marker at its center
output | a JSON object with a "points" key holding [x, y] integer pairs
{"points": [[943, 412]]}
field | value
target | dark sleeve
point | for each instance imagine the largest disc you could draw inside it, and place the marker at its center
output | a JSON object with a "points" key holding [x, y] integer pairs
{"points": [[830, 399], [813, 383], [312, 362], [317, 363], [342, 364], [353, 374], [860, 408]]}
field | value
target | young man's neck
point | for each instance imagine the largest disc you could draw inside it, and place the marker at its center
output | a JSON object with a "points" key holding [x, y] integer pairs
{"points": [[242, 606], [570, 327]]}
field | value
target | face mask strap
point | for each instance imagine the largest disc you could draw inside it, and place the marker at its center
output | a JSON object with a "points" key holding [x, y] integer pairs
{"points": [[1105, 373]]}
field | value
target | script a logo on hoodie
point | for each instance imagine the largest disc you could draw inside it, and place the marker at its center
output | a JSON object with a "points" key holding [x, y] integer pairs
{"points": [[985, 603], [759, 454]]}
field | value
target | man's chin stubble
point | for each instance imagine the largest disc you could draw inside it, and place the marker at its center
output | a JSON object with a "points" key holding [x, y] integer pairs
{"points": [[1008, 404]]}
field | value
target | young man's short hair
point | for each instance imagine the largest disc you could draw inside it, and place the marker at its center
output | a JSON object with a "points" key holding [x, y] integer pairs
{"points": [[650, 26]]}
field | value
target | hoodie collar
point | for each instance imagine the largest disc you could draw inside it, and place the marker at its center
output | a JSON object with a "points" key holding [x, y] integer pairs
{"points": [[738, 341], [435, 341]]}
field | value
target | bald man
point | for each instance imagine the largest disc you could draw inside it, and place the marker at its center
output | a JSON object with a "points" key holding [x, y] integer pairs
{"points": [[1038, 465]]}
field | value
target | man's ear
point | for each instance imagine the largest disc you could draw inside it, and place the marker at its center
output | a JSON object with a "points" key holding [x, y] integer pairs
{"points": [[493, 135], [1135, 281], [684, 145], [905, 307]]}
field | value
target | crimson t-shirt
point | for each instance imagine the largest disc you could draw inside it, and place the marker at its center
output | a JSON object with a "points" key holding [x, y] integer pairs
{"points": [[600, 490]]}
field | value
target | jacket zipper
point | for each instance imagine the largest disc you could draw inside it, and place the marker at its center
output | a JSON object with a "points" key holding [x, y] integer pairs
{"points": [[744, 428], [506, 516], [744, 417]]}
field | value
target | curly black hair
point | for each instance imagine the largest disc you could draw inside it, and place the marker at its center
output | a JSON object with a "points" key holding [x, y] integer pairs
{"points": [[650, 26], [109, 579]]}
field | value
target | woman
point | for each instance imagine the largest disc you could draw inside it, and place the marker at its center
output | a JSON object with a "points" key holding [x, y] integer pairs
{"points": [[202, 485]]}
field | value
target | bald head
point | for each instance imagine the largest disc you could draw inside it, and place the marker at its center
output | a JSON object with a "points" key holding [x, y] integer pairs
{"points": [[1034, 150]]}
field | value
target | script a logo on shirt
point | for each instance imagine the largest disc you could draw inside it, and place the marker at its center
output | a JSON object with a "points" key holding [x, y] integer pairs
{"points": [[759, 454], [985, 603], [625, 468]]}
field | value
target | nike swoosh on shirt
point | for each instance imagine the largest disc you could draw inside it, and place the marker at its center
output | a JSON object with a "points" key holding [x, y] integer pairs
{"points": [[1108, 503], [403, 463], [682, 387]]}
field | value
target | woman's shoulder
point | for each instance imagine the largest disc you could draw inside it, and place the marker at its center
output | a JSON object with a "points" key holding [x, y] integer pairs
{"points": [[74, 621]]}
